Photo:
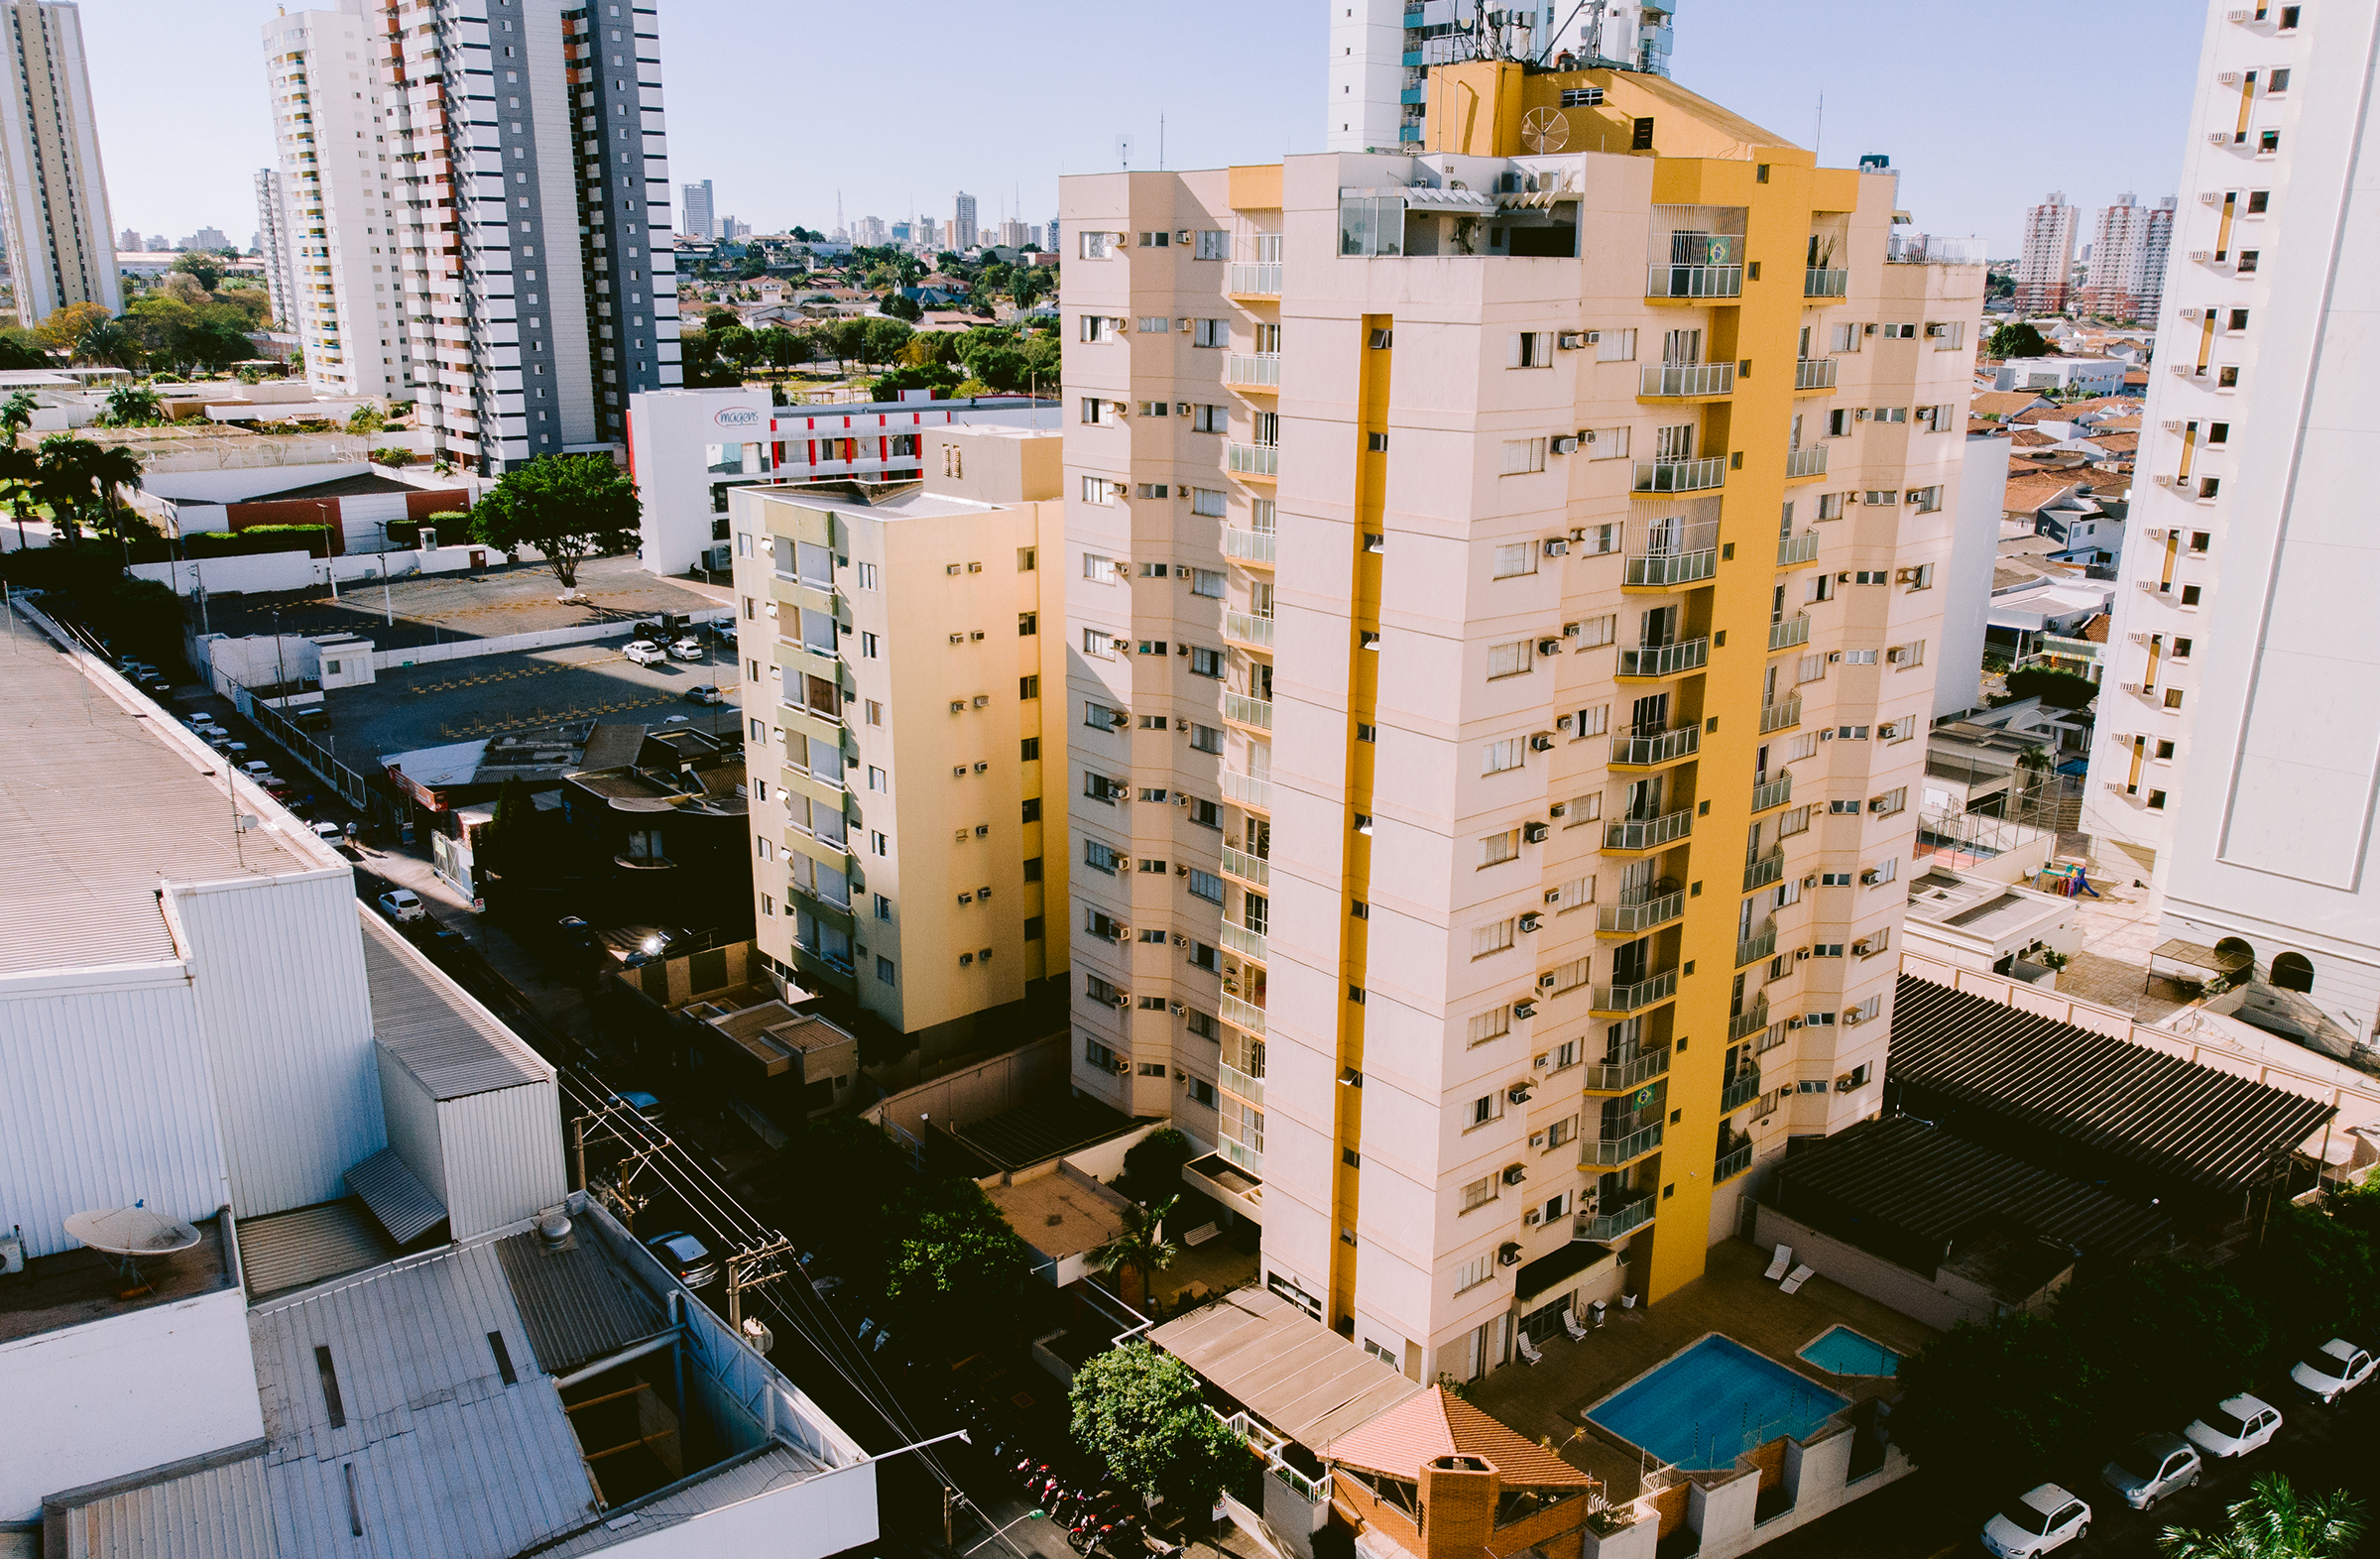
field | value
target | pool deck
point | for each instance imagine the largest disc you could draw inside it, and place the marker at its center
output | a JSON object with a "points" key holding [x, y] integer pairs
{"points": [[1730, 1298]]}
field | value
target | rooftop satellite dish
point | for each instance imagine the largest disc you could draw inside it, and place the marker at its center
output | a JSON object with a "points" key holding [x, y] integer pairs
{"points": [[128, 1233], [1546, 130]]}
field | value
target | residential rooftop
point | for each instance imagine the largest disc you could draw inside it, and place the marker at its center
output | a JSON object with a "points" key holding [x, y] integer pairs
{"points": [[876, 501]]}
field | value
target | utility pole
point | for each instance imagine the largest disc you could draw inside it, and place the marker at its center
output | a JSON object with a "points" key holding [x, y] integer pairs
{"points": [[753, 1267]]}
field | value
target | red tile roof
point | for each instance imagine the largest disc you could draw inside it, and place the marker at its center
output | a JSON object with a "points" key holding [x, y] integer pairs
{"points": [[1421, 1428]]}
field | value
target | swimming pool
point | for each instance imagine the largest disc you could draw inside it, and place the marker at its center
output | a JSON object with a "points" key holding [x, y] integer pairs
{"points": [[1840, 1351], [1715, 1400]]}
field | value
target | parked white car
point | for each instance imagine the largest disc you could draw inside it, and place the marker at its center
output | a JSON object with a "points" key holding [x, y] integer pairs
{"points": [[2333, 1370], [2236, 1428], [643, 651], [687, 650], [402, 905], [2036, 1522]]}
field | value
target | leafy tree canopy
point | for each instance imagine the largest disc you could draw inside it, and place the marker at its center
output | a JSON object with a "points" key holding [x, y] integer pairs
{"points": [[59, 330], [957, 1265], [1141, 1413], [2017, 340], [2275, 1522], [2059, 689], [569, 507]]}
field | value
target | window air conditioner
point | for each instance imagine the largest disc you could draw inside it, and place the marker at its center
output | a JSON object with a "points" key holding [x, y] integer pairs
{"points": [[966, 899], [1565, 443], [1541, 742], [1176, 1007], [983, 830], [1534, 1216], [1848, 1081], [1570, 630], [1182, 409], [1810, 881], [1515, 1173], [1535, 833], [1851, 1014], [958, 706], [1570, 340], [1179, 940], [1549, 646], [1529, 922], [1800, 953], [1525, 1008], [1558, 810], [1181, 871], [1875, 803], [1182, 237], [1541, 1063], [965, 958], [1869, 879], [1564, 722], [983, 701], [981, 768], [1552, 895], [1864, 947], [1795, 1022], [1545, 982], [1507, 1255]]}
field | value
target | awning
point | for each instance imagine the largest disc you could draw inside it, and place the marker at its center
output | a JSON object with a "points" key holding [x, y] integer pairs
{"points": [[401, 1202], [1547, 1271]]}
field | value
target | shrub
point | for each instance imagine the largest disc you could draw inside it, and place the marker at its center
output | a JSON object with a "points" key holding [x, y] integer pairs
{"points": [[256, 539]]}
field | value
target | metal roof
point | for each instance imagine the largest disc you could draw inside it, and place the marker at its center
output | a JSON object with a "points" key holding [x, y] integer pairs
{"points": [[753, 1473], [102, 799], [406, 1206], [438, 1033], [211, 1506], [575, 1302], [1291, 1371], [2123, 1104], [311, 1245]]}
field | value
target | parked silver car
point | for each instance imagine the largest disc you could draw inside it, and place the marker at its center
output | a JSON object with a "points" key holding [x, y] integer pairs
{"points": [[2035, 1522], [2152, 1467], [2333, 1370]]}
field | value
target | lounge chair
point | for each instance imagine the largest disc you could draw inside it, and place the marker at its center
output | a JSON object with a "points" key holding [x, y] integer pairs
{"points": [[1569, 1324], [1528, 1350], [1793, 1285], [1777, 1268]]}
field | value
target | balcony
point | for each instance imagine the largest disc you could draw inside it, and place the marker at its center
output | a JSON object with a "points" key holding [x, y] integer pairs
{"points": [[1632, 919], [1242, 628], [1683, 381], [1619, 1077], [1240, 709], [1814, 373], [1733, 1164], [1800, 463], [1681, 476], [1795, 630], [1248, 546], [1820, 283], [1615, 1225], [1749, 1022], [1742, 1091], [1693, 281], [1241, 867], [1247, 790], [1260, 370], [1761, 945], [1665, 660], [1782, 713], [1648, 833], [1772, 792], [1247, 1017], [1794, 551], [1250, 944], [1234, 1081], [1619, 1000], [1668, 570], [1645, 749], [1616, 1150], [1768, 869], [1261, 461]]}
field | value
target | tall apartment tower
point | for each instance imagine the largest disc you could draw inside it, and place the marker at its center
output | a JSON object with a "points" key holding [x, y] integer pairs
{"points": [[342, 193], [539, 286], [53, 191], [962, 223], [272, 244], [701, 209], [1495, 562], [2127, 258], [1381, 50], [2237, 738], [2045, 268]]}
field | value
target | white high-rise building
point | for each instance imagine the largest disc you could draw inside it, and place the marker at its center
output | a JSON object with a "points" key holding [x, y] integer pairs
{"points": [[2045, 266], [340, 191], [701, 208], [2127, 258], [272, 243], [870, 230], [2238, 735], [53, 191], [962, 223]]}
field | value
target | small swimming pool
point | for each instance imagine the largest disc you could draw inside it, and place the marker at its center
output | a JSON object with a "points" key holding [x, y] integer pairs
{"points": [[1710, 1404], [1840, 1351]]}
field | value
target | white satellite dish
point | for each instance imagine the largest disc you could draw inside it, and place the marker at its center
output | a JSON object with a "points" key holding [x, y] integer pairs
{"points": [[1546, 130], [127, 1234]]}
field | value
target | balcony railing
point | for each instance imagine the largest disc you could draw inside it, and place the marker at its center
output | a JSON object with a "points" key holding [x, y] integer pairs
{"points": [[1629, 919], [1254, 368], [1254, 870], [1792, 549], [1768, 869], [1743, 1091], [1617, 1223], [1247, 629], [1240, 709], [1782, 713], [1619, 1076], [1733, 1164], [1806, 462], [1761, 945], [1669, 380], [1622, 1150], [1750, 1021], [1814, 373], [1247, 790], [1245, 1016], [1255, 280], [1648, 833], [1693, 281], [1645, 749], [1248, 547], [1795, 630], [1250, 944], [1234, 1081], [1665, 660], [1630, 998], [1820, 283], [1774, 792], [1252, 459], [1664, 570], [1681, 476]]}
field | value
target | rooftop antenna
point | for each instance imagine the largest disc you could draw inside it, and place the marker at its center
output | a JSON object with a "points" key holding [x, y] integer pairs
{"points": [[1820, 134], [1160, 140], [1124, 153]]}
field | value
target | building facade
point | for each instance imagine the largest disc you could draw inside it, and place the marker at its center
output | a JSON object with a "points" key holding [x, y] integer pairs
{"points": [[1448, 590], [2045, 266], [2127, 258], [701, 208], [2236, 739], [52, 188], [962, 223], [272, 245]]}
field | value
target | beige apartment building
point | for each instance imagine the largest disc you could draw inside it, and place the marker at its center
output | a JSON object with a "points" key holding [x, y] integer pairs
{"points": [[1499, 590], [897, 642]]}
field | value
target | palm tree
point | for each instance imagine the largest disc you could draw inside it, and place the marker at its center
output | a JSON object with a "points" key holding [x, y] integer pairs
{"points": [[16, 414], [2273, 1523], [112, 470], [105, 342], [64, 478], [20, 469], [1141, 1247], [131, 405]]}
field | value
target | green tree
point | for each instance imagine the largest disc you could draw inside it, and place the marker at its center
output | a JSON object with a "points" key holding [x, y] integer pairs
{"points": [[1994, 1406], [956, 1266], [2016, 340], [2169, 1337], [569, 507], [895, 307], [113, 470], [2274, 1522], [1152, 1166], [16, 414], [107, 344], [881, 340], [2059, 689], [59, 330], [20, 470], [21, 349], [131, 405], [1139, 1248], [63, 476], [1141, 1413], [2316, 1278], [783, 347], [203, 266], [366, 420]]}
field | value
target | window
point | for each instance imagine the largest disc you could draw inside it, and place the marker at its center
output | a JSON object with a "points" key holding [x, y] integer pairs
{"points": [[1584, 809], [1026, 687], [1207, 582], [879, 843], [1099, 717], [1575, 894], [870, 647], [2173, 698], [1205, 663], [1583, 97], [1891, 801], [1209, 420], [1593, 721], [1481, 1193], [1615, 346], [1214, 244], [1030, 750], [1470, 1275], [878, 779], [1595, 631], [1097, 641], [1027, 560], [1521, 455], [1515, 557], [1101, 857], [883, 969], [1496, 849], [1027, 624], [1494, 937], [1100, 328], [1098, 490], [1099, 787], [1376, 443], [1530, 349], [759, 731], [1205, 885], [2190, 595], [1907, 656], [1206, 738], [1897, 332], [1510, 659], [1154, 324], [1098, 246], [1607, 444], [1032, 869], [1206, 502], [2157, 800], [2259, 201], [1206, 814], [1845, 338], [1925, 500], [1497, 756], [1204, 957], [1210, 332], [1487, 1107], [1493, 1024]]}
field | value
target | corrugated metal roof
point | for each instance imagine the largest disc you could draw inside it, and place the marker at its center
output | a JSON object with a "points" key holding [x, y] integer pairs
{"points": [[575, 1303], [311, 1245], [213, 1506], [753, 1473], [96, 807], [437, 1032], [398, 1198], [1291, 1371]]}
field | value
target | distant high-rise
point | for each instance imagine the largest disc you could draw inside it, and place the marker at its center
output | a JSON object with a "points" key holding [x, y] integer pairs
{"points": [[962, 223], [870, 230], [2127, 258], [210, 238], [53, 191], [1052, 245], [1015, 235], [701, 211], [2044, 270], [272, 243], [130, 238]]}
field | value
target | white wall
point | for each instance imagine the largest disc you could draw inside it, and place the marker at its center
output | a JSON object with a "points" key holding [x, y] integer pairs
{"points": [[804, 1520], [245, 483], [1966, 576]]}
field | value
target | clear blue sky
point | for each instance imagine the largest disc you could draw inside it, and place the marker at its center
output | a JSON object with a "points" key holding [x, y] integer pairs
{"points": [[783, 103]]}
